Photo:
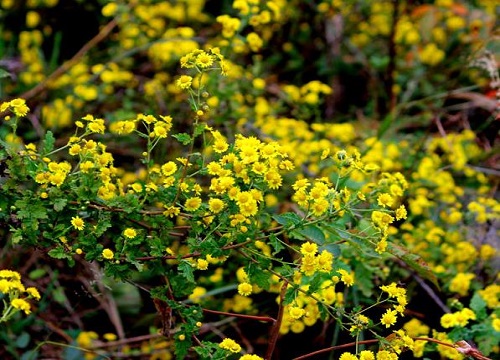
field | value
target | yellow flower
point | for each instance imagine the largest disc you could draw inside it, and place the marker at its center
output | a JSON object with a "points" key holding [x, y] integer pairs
{"points": [[109, 337], [215, 205], [401, 213], [250, 357], [245, 289], [386, 355], [77, 222], [448, 321], [348, 356], [496, 324], [309, 248], [21, 304], [366, 355], [201, 264], [204, 60], [431, 54], [192, 204], [461, 282], [385, 200], [389, 318], [296, 312], [231, 345], [130, 233], [107, 254], [33, 292], [346, 278], [184, 82]]}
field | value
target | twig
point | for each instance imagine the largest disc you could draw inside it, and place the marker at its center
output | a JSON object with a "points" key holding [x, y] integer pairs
{"points": [[250, 317], [105, 31], [391, 66], [431, 293], [128, 341], [275, 331], [373, 341]]}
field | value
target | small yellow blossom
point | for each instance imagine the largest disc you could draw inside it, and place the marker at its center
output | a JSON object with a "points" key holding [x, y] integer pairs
{"points": [[21, 304], [245, 289], [130, 233], [231, 345], [108, 254], [77, 223]]}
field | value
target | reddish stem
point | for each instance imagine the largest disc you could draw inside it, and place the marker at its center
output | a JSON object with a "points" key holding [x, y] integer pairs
{"points": [[244, 316], [275, 331]]}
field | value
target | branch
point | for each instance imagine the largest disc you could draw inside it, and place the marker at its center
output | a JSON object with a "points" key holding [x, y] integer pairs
{"points": [[105, 31], [275, 331]]}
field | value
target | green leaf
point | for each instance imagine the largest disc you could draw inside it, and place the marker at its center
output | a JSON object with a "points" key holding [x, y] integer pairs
{"points": [[288, 219], [60, 203], [182, 347], [275, 244], [37, 274], [414, 261], [333, 249], [48, 143], [58, 253], [199, 129], [30, 210], [4, 74], [22, 340], [364, 278], [257, 276], [183, 138], [290, 295], [478, 305], [311, 232], [186, 270]]}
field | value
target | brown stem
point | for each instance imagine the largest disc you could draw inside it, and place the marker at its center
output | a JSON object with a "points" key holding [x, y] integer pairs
{"points": [[190, 255], [335, 348], [275, 331], [391, 67], [105, 31], [140, 338], [474, 353], [244, 316]]}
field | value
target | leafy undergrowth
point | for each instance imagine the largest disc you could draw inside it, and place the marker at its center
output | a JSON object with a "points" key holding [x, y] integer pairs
{"points": [[249, 180]]}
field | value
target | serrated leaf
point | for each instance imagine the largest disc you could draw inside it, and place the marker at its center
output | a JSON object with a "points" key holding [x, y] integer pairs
{"points": [[182, 347], [414, 261], [289, 296], [60, 203], [199, 129], [186, 270], [364, 278], [478, 305], [257, 276], [48, 142], [313, 233], [288, 219], [275, 243], [183, 138]]}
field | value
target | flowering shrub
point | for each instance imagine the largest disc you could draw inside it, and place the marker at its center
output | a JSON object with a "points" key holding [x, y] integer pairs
{"points": [[230, 198]]}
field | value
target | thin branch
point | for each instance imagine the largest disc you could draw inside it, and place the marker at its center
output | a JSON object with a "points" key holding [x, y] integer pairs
{"points": [[373, 341], [275, 331], [431, 293], [103, 34], [244, 316]]}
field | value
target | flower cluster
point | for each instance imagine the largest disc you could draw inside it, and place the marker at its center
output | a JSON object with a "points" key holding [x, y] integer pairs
{"points": [[15, 294]]}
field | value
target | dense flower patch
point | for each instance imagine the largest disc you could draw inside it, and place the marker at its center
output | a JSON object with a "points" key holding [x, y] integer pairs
{"points": [[220, 178]]}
